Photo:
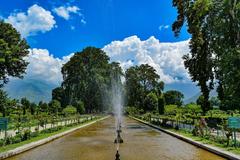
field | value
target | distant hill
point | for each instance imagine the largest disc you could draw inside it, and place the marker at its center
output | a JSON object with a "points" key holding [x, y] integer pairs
{"points": [[188, 89], [32, 89], [194, 98]]}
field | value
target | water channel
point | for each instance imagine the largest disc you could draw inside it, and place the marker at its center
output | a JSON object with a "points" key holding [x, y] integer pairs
{"points": [[95, 142]]}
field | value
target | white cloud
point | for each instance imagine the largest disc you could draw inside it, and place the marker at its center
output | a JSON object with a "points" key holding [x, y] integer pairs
{"points": [[83, 21], [166, 58], [72, 27], [43, 66], [161, 27], [65, 12], [35, 20]]}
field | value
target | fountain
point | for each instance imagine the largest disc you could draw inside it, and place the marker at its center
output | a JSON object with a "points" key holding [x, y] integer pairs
{"points": [[118, 138], [117, 103], [117, 156]]}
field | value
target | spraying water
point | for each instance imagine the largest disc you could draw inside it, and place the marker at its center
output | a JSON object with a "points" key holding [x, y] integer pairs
{"points": [[117, 103]]}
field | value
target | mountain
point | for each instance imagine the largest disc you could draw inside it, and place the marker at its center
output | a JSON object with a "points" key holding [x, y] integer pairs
{"points": [[188, 89], [194, 98], [34, 90]]}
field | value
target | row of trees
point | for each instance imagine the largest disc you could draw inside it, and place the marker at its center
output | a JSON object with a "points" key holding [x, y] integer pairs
{"points": [[89, 77], [10, 107], [214, 46]]}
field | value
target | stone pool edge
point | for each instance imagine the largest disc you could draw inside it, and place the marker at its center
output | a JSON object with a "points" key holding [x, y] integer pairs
{"points": [[215, 150], [35, 144]]}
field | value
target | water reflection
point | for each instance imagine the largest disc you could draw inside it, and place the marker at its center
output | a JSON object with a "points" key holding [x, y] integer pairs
{"points": [[95, 142]]}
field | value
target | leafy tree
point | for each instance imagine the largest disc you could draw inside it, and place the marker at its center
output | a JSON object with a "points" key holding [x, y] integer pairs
{"points": [[159, 88], [3, 102], [193, 109], [25, 105], [215, 29], [43, 107], [200, 62], [140, 81], [171, 109], [80, 107], [86, 77], [214, 101], [58, 94], [224, 33], [161, 104], [151, 102], [54, 107], [173, 97], [13, 49], [33, 108], [200, 101], [69, 110]]}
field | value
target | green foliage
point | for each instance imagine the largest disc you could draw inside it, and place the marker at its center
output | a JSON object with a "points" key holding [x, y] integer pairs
{"points": [[199, 63], [161, 104], [171, 109], [132, 111], [193, 109], [215, 29], [58, 94], [80, 107], [140, 81], [224, 32], [69, 110], [87, 78], [33, 108], [13, 49], [43, 107], [215, 102], [25, 105], [151, 102], [173, 97], [54, 107], [3, 102]]}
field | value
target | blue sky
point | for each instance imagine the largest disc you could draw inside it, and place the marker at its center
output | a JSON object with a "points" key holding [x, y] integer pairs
{"points": [[106, 20], [131, 32]]}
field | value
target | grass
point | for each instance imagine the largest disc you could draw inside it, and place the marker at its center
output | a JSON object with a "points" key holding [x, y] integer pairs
{"points": [[206, 141], [41, 136]]}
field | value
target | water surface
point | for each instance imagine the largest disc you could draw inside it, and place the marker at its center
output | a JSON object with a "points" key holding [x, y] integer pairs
{"points": [[95, 142]]}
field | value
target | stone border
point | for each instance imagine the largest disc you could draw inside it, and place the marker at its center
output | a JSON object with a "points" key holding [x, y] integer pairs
{"points": [[215, 150], [35, 144]]}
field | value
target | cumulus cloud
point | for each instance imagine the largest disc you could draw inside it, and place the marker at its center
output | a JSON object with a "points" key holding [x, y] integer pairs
{"points": [[44, 66], [35, 20], [161, 27], [166, 58], [66, 11]]}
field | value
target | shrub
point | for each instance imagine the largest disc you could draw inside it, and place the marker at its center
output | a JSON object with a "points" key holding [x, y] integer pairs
{"points": [[151, 102], [171, 109], [69, 110], [26, 135]]}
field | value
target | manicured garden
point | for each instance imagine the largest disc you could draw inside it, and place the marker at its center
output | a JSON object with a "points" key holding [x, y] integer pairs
{"points": [[28, 136], [212, 128]]}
